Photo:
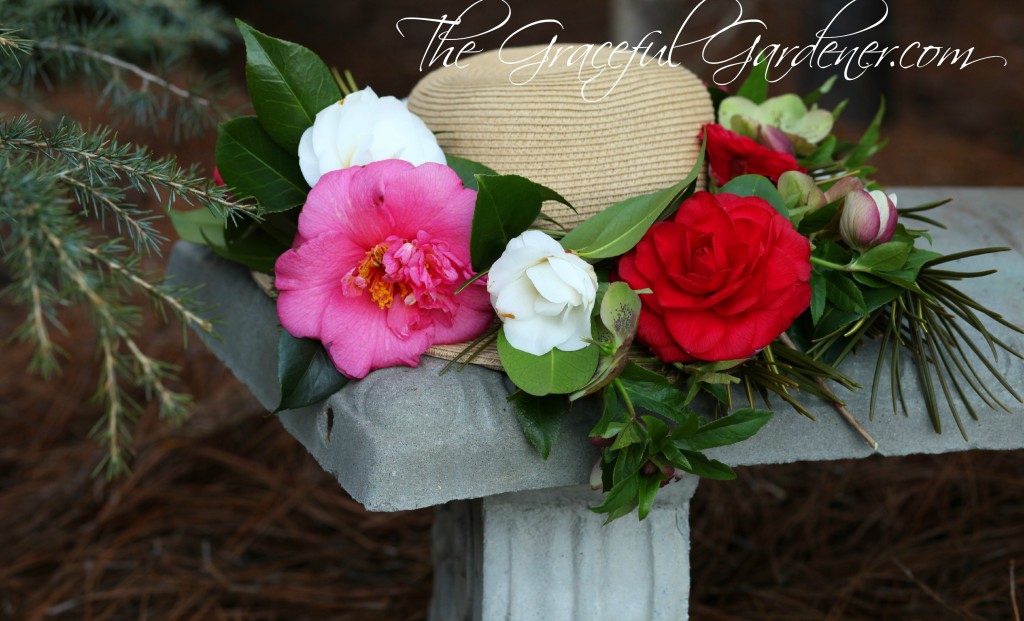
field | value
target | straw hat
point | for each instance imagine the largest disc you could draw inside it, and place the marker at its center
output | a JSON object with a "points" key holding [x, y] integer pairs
{"points": [[642, 136]]}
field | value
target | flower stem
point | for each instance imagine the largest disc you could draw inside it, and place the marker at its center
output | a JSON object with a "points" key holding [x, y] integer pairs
{"points": [[625, 398], [830, 265]]}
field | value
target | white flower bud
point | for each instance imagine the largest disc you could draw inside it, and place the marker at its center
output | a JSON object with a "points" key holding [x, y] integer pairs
{"points": [[543, 294]]}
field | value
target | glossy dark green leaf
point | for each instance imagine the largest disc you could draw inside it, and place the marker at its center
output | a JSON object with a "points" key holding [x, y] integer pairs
{"points": [[736, 427], [818, 219], [557, 372], [288, 86], [879, 297], [628, 461], [468, 170], [305, 372], [540, 418], [252, 248], [818, 286], [887, 257], [755, 87], [647, 489], [702, 466], [255, 166], [506, 205], [761, 187], [621, 498], [652, 392], [869, 143], [845, 293], [617, 229]]}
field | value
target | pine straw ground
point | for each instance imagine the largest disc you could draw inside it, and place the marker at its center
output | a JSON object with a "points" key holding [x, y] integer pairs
{"points": [[227, 518]]}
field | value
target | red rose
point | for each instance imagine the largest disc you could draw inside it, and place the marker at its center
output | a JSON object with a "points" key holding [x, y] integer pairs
{"points": [[731, 155], [728, 275]]}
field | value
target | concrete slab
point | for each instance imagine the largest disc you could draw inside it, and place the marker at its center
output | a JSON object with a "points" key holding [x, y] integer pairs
{"points": [[405, 438]]}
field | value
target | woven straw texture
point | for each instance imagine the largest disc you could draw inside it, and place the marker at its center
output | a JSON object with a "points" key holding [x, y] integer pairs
{"points": [[642, 137]]}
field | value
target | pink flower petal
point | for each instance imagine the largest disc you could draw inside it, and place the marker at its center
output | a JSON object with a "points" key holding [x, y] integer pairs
{"points": [[358, 339], [308, 277], [431, 198], [472, 318]]}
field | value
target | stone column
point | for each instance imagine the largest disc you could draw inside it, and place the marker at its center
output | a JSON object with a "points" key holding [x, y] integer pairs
{"points": [[542, 554]]}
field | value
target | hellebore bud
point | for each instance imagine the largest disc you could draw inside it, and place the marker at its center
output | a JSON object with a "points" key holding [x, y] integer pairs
{"points": [[869, 219], [799, 190], [843, 187]]}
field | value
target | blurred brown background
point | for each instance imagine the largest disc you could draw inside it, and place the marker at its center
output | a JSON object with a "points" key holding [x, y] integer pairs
{"points": [[227, 517]]}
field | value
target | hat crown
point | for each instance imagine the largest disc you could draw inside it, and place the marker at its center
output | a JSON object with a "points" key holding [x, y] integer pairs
{"points": [[596, 137]]}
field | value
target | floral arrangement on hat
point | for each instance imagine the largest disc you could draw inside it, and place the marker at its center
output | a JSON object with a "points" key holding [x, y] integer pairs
{"points": [[671, 307]]}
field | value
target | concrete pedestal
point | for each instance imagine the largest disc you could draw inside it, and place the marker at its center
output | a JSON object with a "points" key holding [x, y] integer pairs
{"points": [[514, 539]]}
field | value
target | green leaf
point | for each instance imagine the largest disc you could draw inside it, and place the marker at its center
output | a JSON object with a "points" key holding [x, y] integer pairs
{"points": [[761, 187], [629, 460], [540, 418], [755, 87], [869, 143], [556, 372], [467, 170], [844, 293], [818, 294], [255, 166], [887, 257], [817, 93], [879, 297], [198, 226], [818, 219], [248, 246], [630, 435], [736, 427], [506, 205], [866, 279], [702, 466], [717, 94], [647, 489], [651, 391], [823, 155], [288, 85], [617, 229], [621, 496], [305, 372]]}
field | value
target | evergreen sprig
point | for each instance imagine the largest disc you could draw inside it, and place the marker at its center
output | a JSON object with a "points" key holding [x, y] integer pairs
{"points": [[123, 50], [56, 176], [55, 261]]}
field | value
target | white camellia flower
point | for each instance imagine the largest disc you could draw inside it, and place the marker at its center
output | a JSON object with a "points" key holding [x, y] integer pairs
{"points": [[543, 294], [364, 128]]}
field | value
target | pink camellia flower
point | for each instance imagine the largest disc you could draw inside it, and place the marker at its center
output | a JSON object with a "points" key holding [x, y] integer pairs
{"points": [[869, 218], [380, 251]]}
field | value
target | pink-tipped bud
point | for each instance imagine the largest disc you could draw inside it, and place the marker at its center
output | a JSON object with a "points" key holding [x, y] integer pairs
{"points": [[776, 140], [869, 218], [843, 187], [217, 179], [596, 482]]}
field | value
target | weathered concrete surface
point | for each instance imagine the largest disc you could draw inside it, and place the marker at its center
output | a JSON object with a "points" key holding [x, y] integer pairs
{"points": [[544, 555], [405, 438]]}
